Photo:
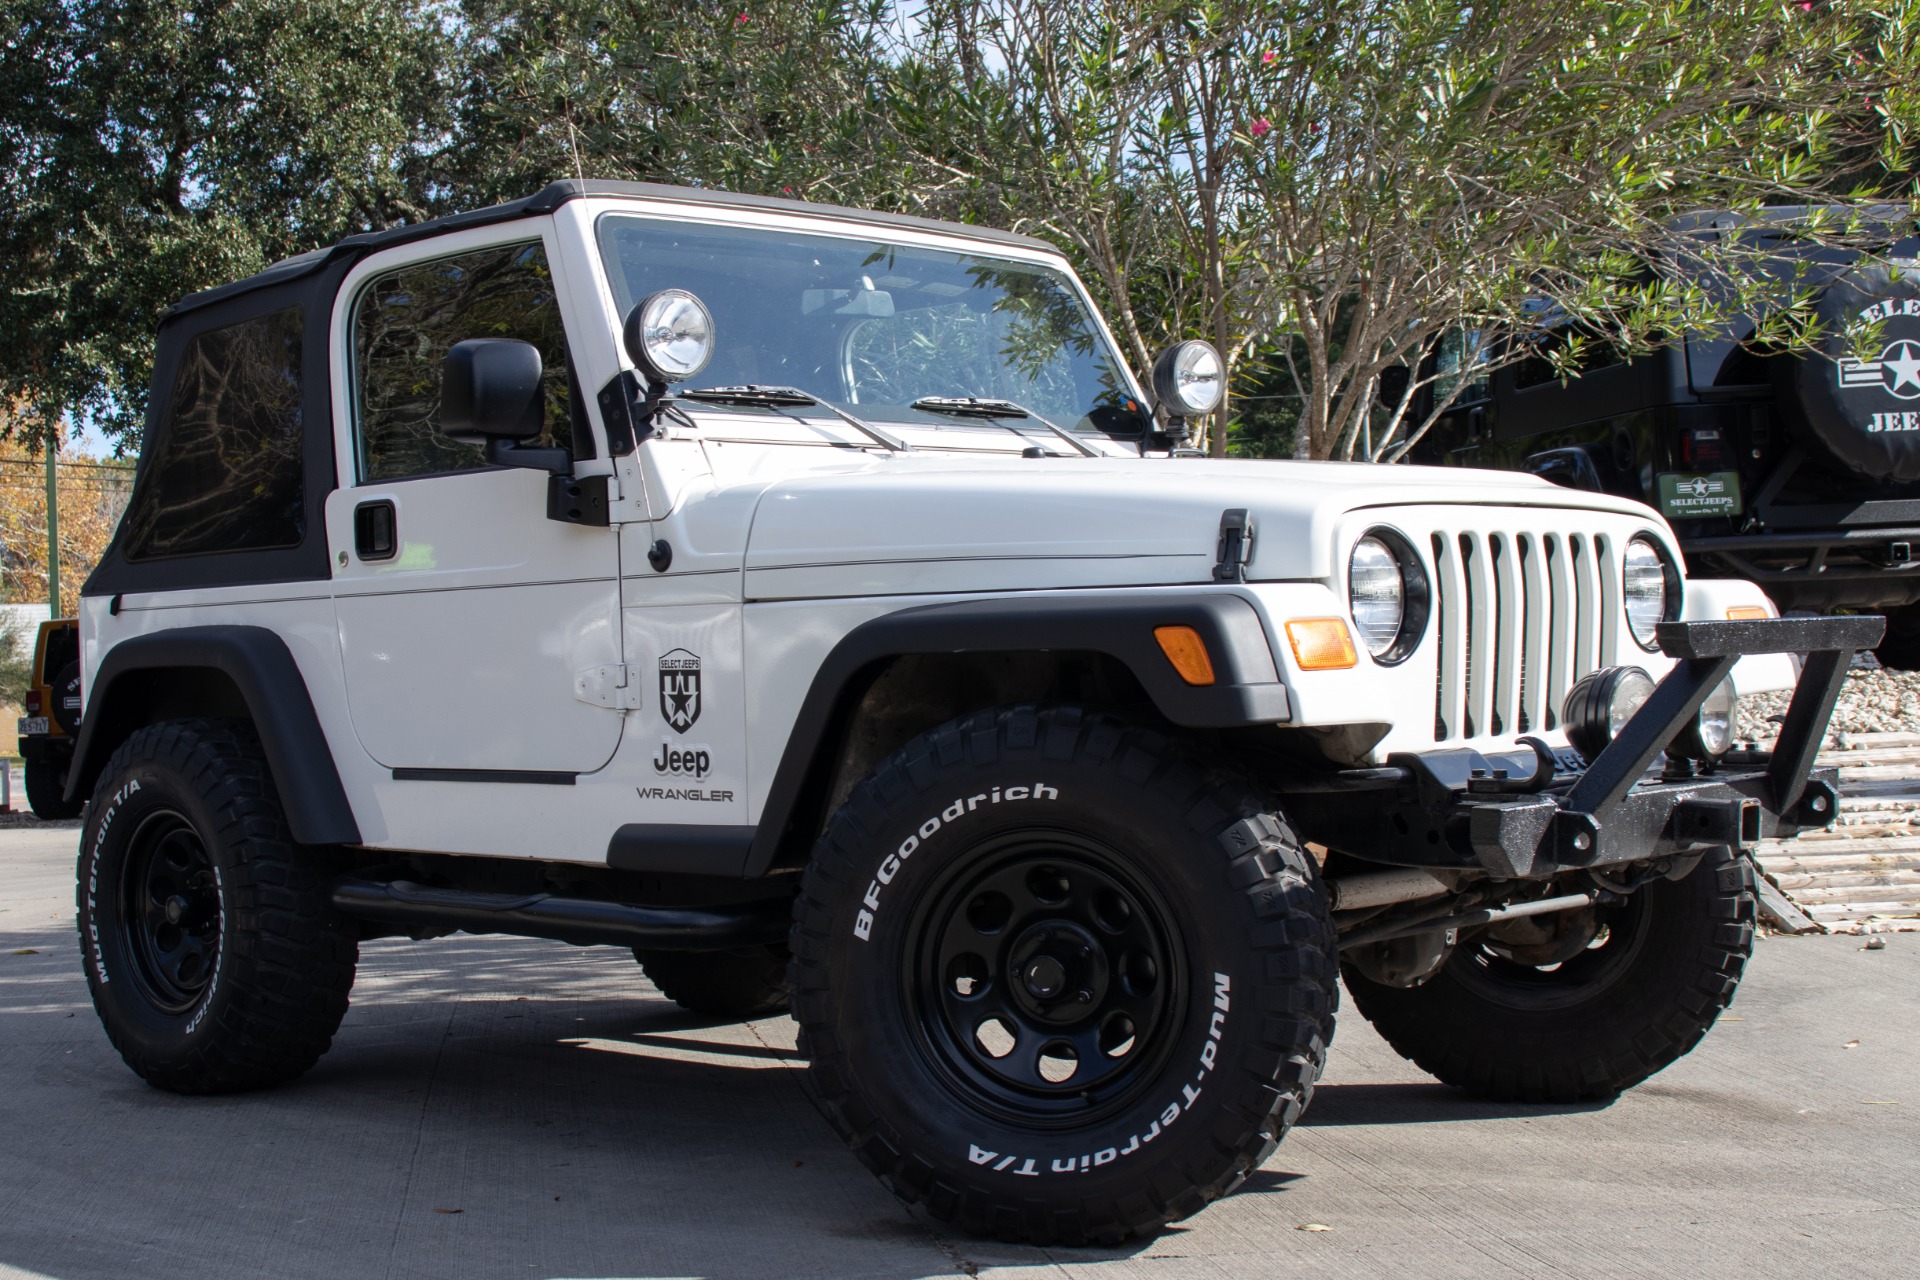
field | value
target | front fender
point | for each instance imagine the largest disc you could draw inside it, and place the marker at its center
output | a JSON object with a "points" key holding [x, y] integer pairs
{"points": [[1247, 689]]}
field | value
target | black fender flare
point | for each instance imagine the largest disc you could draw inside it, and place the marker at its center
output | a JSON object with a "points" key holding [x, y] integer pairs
{"points": [[261, 667], [1247, 689]]}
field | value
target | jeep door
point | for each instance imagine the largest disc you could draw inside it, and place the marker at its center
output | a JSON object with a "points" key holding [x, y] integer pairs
{"points": [[465, 614]]}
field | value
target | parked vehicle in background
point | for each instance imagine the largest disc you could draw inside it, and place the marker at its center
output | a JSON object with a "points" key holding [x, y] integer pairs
{"points": [[814, 603], [52, 718], [1800, 472]]}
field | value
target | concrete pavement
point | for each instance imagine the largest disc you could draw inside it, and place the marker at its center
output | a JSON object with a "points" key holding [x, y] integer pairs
{"points": [[512, 1108]]}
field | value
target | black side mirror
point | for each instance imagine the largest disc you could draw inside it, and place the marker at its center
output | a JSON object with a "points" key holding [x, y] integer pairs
{"points": [[490, 395]]}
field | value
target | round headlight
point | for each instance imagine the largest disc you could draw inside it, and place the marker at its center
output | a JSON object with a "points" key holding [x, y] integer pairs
{"points": [[1189, 378], [1387, 594], [1599, 706], [670, 335], [1707, 737], [1644, 588], [1377, 592]]}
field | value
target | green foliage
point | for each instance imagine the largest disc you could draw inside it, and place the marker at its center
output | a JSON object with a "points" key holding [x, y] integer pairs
{"points": [[16, 658], [150, 148], [1321, 187]]}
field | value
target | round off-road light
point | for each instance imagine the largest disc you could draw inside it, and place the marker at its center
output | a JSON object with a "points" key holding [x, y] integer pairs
{"points": [[1710, 732], [1189, 378], [1599, 706], [670, 335], [1646, 587]]}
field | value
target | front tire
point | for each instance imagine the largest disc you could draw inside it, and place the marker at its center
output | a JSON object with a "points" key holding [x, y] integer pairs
{"points": [[1146, 935], [1659, 971], [213, 953]]}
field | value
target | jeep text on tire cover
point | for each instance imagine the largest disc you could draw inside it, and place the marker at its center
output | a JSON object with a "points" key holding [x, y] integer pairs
{"points": [[814, 603]]}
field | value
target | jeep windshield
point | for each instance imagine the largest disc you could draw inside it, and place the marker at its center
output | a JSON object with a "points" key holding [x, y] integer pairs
{"points": [[884, 331]]}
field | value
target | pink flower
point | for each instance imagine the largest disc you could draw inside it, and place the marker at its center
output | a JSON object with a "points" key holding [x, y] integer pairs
{"points": [[786, 191], [1268, 58], [741, 20], [1262, 127]]}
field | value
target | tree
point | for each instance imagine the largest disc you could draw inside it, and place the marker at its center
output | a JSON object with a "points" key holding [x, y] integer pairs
{"points": [[149, 148], [1329, 186]]}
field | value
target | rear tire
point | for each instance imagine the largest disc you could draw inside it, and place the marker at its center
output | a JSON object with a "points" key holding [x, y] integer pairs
{"points": [[1899, 649], [46, 792], [1641, 996], [749, 982], [212, 950], [1148, 937]]}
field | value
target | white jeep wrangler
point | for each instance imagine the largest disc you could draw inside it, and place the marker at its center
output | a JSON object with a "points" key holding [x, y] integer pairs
{"points": [[813, 602]]}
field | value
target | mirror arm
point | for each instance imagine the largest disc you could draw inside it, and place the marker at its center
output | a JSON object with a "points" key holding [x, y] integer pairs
{"points": [[511, 453]]}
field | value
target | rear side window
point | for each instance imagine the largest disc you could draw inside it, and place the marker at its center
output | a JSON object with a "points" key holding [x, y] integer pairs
{"points": [[405, 323], [228, 473]]}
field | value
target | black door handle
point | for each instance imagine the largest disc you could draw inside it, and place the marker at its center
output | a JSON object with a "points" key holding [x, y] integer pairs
{"points": [[374, 533]]}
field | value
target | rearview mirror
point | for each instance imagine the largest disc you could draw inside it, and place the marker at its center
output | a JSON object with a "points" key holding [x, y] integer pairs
{"points": [[490, 390]]}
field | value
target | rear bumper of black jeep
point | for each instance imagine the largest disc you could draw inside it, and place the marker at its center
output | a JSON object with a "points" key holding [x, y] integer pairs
{"points": [[1528, 815]]}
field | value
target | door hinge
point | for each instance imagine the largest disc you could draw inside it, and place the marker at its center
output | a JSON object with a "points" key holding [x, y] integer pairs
{"points": [[612, 687]]}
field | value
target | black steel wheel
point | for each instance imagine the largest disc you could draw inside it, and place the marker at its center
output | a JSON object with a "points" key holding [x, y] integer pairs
{"points": [[170, 911], [1043, 977], [212, 950], [1581, 1015], [1060, 976]]}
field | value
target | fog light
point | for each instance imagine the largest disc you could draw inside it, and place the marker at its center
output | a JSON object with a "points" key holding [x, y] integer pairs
{"points": [[1710, 732], [1600, 705]]}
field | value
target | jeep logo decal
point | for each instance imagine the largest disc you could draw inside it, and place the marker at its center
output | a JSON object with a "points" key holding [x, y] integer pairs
{"points": [[680, 689], [1897, 371]]}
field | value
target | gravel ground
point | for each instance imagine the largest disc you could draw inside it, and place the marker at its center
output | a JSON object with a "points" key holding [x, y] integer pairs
{"points": [[1874, 700]]}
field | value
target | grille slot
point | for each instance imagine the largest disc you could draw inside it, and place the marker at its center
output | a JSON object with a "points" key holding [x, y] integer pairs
{"points": [[1520, 615]]}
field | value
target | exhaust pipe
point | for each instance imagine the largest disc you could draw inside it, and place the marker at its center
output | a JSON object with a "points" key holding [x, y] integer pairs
{"points": [[582, 921]]}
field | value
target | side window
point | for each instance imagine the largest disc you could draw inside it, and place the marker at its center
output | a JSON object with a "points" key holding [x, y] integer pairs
{"points": [[405, 322], [228, 472]]}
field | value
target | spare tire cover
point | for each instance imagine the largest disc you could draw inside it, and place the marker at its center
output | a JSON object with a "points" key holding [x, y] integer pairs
{"points": [[1863, 408]]}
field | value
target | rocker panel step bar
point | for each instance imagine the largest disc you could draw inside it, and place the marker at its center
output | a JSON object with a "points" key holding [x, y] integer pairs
{"points": [[583, 921]]}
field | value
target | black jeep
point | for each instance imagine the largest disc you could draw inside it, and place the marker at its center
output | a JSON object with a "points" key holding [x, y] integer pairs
{"points": [[1798, 472]]}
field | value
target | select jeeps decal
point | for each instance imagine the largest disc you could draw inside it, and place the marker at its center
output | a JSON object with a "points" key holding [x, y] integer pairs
{"points": [[890, 865], [680, 689], [1030, 1166]]}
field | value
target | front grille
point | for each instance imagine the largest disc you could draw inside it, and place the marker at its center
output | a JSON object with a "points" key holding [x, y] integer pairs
{"points": [[1521, 615]]}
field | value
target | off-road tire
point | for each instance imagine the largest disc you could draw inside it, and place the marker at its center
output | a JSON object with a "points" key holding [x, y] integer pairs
{"points": [[46, 792], [748, 982], [188, 809], [1899, 649], [1209, 1084], [1690, 940]]}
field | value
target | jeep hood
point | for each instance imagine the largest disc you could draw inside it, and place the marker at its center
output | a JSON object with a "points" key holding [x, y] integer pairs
{"points": [[908, 523]]}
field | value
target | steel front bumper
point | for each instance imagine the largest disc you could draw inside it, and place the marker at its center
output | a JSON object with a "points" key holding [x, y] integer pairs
{"points": [[1533, 813]]}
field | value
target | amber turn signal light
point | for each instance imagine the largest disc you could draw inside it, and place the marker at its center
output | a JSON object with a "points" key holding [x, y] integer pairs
{"points": [[1321, 644], [1187, 652], [1747, 612]]}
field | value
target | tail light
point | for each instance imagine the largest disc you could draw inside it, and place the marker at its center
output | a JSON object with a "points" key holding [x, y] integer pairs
{"points": [[33, 702]]}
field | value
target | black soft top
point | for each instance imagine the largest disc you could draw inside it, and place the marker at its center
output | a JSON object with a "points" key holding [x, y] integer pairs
{"points": [[552, 197]]}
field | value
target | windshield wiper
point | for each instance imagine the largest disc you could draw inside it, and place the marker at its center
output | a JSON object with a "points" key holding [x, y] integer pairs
{"points": [[794, 397], [971, 407]]}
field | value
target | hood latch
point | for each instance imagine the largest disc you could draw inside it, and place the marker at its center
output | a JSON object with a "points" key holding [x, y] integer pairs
{"points": [[1236, 546]]}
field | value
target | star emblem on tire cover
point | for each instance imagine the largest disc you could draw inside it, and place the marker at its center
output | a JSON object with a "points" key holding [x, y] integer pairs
{"points": [[1897, 371]]}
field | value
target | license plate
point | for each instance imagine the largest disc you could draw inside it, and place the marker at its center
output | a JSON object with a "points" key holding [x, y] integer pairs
{"points": [[32, 726]]}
